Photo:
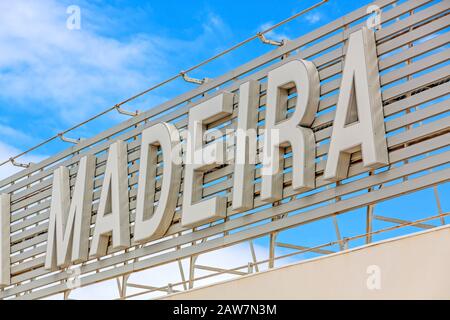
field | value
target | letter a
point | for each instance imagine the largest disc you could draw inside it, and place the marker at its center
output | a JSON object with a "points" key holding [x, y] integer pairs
{"points": [[359, 121], [113, 218]]}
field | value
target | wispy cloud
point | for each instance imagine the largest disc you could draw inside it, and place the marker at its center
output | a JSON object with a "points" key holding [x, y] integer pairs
{"points": [[274, 34], [11, 134], [71, 73], [52, 77], [43, 61]]}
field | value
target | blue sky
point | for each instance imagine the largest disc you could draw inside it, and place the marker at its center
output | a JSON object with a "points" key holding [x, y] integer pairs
{"points": [[51, 77]]}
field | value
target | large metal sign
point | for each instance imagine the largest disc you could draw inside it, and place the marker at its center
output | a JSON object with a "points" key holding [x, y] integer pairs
{"points": [[337, 111]]}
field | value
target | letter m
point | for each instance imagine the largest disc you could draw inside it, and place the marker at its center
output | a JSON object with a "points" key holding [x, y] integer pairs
{"points": [[69, 224]]}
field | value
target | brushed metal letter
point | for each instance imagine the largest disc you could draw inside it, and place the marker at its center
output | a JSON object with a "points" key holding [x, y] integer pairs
{"points": [[294, 131], [201, 158], [359, 120], [153, 223]]}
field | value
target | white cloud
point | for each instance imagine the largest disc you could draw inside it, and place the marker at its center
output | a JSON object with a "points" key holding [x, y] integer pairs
{"points": [[73, 73], [7, 151], [42, 60], [313, 18], [9, 134]]}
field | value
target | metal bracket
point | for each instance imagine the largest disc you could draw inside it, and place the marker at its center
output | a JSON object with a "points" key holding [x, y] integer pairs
{"points": [[344, 243], [169, 288], [250, 268], [126, 112], [268, 41], [193, 80], [18, 164], [70, 140]]}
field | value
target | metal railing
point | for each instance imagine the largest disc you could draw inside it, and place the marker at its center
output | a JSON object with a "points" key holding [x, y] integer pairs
{"points": [[169, 288]]}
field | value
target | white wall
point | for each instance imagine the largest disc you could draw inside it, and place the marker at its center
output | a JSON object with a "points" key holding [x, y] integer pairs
{"points": [[416, 266]]}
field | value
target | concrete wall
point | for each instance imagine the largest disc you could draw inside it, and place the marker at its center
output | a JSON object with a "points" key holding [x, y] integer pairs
{"points": [[416, 266]]}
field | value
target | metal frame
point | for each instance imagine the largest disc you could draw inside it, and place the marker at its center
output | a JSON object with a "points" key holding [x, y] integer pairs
{"points": [[298, 250]]}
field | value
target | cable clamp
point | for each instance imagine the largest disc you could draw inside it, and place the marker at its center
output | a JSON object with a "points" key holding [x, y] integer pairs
{"points": [[126, 112], [193, 80], [268, 41]]}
